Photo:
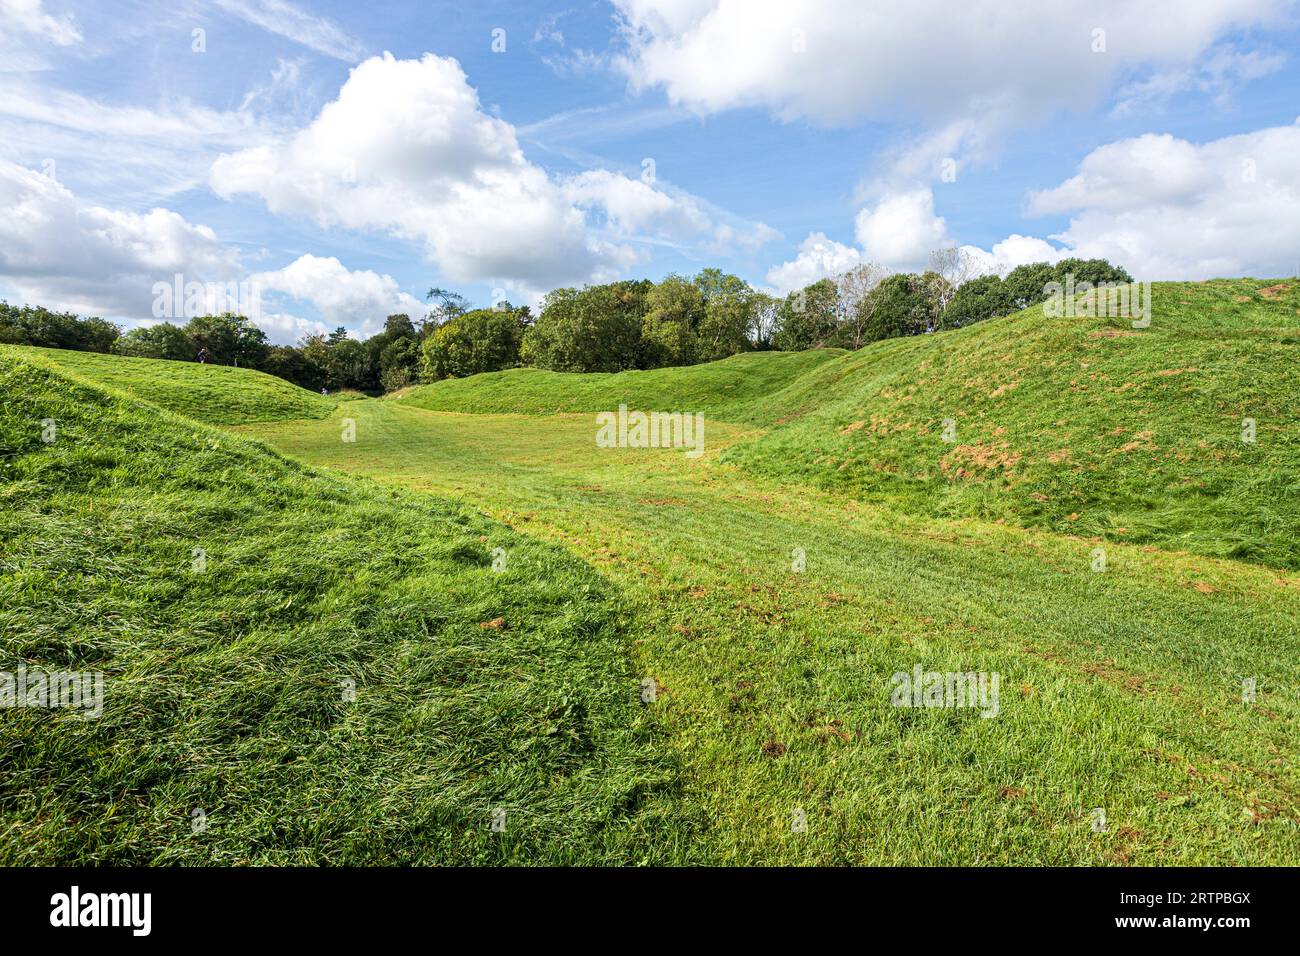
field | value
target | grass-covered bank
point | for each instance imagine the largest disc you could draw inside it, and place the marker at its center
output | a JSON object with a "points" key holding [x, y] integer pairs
{"points": [[227, 681], [1120, 690]]}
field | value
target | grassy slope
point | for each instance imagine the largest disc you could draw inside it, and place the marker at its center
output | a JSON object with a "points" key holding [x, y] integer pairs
{"points": [[224, 689], [1086, 426], [722, 390], [210, 393], [1120, 690]]}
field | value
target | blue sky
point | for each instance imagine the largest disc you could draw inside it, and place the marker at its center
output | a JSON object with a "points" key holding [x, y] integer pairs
{"points": [[345, 157]]}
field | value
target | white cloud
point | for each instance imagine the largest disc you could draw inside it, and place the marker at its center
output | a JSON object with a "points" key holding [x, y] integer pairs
{"points": [[1169, 209], [901, 230], [282, 328], [62, 253], [28, 17], [284, 19], [819, 258], [407, 149], [140, 152], [1224, 71], [1015, 250], [836, 61], [359, 298], [632, 206]]}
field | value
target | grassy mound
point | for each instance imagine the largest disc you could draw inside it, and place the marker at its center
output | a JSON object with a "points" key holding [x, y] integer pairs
{"points": [[209, 393], [228, 671], [1085, 425], [724, 390]]}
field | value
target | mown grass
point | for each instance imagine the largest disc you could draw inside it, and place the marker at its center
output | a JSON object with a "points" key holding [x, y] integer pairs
{"points": [[218, 394], [226, 682], [1085, 426], [1082, 425], [725, 389], [1120, 690]]}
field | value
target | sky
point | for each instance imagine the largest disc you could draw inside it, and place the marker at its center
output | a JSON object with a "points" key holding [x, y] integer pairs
{"points": [[340, 159]]}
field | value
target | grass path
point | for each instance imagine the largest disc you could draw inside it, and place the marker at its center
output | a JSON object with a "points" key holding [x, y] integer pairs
{"points": [[1120, 690]]}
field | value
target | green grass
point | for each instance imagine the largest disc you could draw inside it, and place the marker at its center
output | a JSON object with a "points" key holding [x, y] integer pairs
{"points": [[1084, 426], [224, 687], [1120, 690], [218, 394], [723, 390]]}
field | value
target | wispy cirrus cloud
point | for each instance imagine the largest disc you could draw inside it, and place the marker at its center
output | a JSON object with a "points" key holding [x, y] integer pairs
{"points": [[284, 19]]}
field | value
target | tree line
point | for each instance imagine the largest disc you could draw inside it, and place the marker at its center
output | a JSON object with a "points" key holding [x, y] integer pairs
{"points": [[629, 324]]}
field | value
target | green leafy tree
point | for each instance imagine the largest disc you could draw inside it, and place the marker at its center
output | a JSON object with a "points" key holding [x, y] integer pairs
{"points": [[905, 304], [595, 329], [728, 315], [230, 339], [1024, 285], [161, 341], [669, 329], [35, 325], [977, 300], [808, 319], [484, 340]]}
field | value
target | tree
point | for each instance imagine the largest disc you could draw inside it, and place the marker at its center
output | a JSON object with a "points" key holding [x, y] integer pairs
{"points": [[905, 304], [957, 267], [808, 319], [399, 364], [977, 300], [293, 365], [229, 338], [1026, 285], [594, 329], [669, 329], [853, 289], [161, 341], [762, 320], [447, 305], [485, 340], [34, 325], [727, 316]]}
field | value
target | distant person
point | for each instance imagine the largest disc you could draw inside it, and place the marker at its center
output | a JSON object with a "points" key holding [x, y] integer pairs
{"points": [[324, 390], [203, 356]]}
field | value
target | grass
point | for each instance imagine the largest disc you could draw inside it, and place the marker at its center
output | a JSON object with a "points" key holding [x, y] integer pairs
{"points": [[225, 687], [217, 394], [1084, 426], [1120, 690], [724, 390]]}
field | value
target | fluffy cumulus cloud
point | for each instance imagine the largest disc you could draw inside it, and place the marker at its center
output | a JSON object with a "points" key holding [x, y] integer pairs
{"points": [[63, 253], [899, 232], [1167, 208], [901, 229], [1162, 207], [965, 74], [407, 149], [838, 61], [341, 296], [819, 258]]}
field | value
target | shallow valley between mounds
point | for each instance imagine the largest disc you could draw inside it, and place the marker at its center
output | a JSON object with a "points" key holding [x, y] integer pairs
{"points": [[684, 659]]}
